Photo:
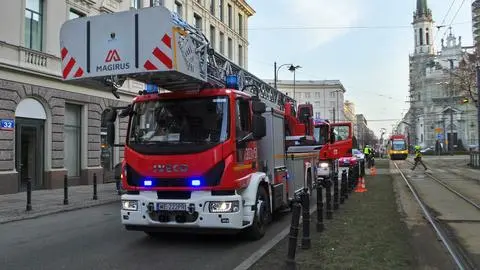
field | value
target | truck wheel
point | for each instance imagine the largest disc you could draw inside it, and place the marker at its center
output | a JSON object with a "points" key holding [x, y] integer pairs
{"points": [[261, 217]]}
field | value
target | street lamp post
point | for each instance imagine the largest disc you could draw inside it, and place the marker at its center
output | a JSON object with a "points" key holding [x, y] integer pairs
{"points": [[275, 72], [293, 69]]}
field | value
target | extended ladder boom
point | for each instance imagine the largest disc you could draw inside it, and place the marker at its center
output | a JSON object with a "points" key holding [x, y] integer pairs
{"points": [[153, 46]]}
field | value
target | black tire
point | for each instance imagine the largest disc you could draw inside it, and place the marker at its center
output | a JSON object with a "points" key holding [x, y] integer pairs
{"points": [[259, 226]]}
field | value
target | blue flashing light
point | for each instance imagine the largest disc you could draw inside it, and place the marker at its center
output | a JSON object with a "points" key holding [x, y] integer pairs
{"points": [[196, 182], [151, 88], [231, 81], [147, 183]]}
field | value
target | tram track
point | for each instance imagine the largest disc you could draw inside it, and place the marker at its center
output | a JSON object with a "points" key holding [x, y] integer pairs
{"points": [[454, 248], [452, 189]]}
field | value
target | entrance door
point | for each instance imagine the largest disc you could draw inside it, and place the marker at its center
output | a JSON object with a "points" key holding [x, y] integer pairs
{"points": [[29, 151]]}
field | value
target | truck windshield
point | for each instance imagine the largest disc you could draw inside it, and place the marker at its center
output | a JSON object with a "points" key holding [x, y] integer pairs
{"points": [[398, 145], [167, 123]]}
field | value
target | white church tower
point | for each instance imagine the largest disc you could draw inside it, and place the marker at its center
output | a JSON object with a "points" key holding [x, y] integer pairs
{"points": [[423, 27]]}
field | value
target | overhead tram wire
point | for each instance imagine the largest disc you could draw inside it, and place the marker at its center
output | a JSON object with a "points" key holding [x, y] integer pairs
{"points": [[458, 10], [339, 27], [443, 21]]}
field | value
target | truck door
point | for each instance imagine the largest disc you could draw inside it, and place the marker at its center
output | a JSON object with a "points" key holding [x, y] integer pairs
{"points": [[342, 146]]}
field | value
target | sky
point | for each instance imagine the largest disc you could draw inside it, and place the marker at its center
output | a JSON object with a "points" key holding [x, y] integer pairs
{"points": [[363, 43]]}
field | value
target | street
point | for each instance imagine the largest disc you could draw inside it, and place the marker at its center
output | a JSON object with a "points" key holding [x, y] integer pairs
{"points": [[93, 238]]}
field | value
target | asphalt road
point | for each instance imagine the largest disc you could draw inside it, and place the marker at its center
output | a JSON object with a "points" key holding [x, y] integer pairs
{"points": [[93, 238]]}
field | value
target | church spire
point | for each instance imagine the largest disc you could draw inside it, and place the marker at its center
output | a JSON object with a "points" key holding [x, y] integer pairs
{"points": [[422, 12], [421, 7], [423, 27]]}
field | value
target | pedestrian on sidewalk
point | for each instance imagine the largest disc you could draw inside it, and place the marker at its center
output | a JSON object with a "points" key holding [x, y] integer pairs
{"points": [[418, 158]]}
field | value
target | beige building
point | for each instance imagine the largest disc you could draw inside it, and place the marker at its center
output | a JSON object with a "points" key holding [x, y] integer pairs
{"points": [[326, 96], [57, 127]]}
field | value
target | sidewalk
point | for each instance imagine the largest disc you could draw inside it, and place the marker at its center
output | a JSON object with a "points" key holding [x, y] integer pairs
{"points": [[47, 202]]}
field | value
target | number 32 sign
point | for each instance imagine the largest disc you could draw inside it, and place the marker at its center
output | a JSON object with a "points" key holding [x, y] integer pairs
{"points": [[7, 124]]}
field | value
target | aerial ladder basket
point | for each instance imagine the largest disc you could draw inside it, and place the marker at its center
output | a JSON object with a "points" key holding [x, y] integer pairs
{"points": [[153, 46]]}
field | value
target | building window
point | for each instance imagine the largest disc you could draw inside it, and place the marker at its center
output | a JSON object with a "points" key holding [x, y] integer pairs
{"points": [[198, 21], [420, 35], [135, 4], [222, 7], [156, 3], [240, 55], [307, 95], [34, 24], [318, 95], [212, 36], [73, 128], [230, 48], [427, 36], [332, 94], [73, 14], [317, 104], [222, 43], [212, 7], [229, 15], [240, 24], [179, 9], [317, 114]]}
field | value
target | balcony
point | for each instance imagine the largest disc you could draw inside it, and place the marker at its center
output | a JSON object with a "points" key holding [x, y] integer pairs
{"points": [[18, 57], [40, 63]]}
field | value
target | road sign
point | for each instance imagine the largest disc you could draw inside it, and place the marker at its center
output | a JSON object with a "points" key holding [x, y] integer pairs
{"points": [[440, 136], [7, 124], [438, 130]]}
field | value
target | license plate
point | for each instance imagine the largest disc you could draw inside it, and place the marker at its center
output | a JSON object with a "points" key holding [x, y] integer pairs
{"points": [[171, 206]]}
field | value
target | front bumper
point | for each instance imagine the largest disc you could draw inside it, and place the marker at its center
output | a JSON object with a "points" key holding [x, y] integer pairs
{"points": [[196, 215]]}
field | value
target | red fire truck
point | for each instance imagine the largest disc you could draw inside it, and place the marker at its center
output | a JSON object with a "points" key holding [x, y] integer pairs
{"points": [[336, 141], [207, 155]]}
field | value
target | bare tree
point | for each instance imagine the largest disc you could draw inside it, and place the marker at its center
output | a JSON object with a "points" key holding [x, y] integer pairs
{"points": [[464, 77]]}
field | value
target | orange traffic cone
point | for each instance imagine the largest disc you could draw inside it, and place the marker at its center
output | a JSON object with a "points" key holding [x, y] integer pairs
{"points": [[361, 185]]}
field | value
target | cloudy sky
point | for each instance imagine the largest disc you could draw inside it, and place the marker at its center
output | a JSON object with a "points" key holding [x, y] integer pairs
{"points": [[363, 43]]}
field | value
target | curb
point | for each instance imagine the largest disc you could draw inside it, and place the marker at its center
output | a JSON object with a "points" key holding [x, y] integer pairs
{"points": [[250, 261], [37, 215]]}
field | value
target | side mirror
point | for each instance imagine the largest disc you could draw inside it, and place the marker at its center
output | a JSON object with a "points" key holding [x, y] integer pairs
{"points": [[110, 133], [109, 115], [259, 126], [258, 107]]}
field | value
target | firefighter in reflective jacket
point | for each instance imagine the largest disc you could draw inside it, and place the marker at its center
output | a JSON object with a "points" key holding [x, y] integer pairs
{"points": [[418, 158], [368, 156]]}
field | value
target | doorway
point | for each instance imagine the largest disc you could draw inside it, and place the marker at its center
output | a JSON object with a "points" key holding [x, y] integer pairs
{"points": [[29, 152]]}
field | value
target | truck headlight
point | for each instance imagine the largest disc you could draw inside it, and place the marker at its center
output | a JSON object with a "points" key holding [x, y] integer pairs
{"points": [[130, 205], [224, 207], [324, 165]]}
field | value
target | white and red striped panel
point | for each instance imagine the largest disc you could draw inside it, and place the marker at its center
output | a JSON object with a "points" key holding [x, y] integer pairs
{"points": [[161, 55], [70, 67]]}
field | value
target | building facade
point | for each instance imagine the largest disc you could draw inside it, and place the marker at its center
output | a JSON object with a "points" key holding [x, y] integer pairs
{"points": [[53, 128], [326, 96], [437, 113]]}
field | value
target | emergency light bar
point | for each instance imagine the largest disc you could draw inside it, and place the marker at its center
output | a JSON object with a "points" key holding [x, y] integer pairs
{"points": [[151, 88], [231, 81]]}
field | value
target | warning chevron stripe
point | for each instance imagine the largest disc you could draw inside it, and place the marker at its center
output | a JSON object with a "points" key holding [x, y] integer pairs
{"points": [[160, 55], [70, 65]]}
